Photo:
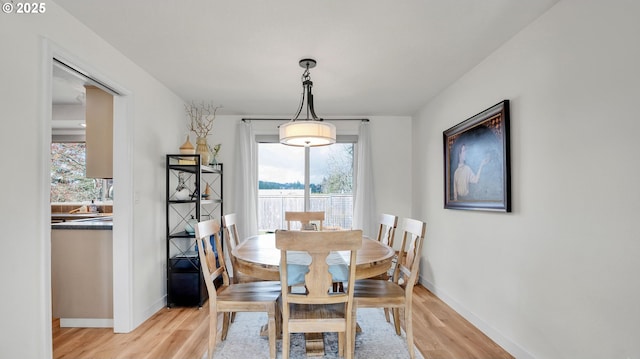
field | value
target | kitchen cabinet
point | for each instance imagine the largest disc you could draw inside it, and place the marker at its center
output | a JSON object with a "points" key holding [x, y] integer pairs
{"points": [[194, 193], [82, 273], [99, 133]]}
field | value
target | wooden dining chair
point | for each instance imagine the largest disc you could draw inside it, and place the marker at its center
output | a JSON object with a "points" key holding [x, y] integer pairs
{"points": [[387, 228], [386, 235], [231, 298], [318, 309], [306, 219], [231, 240], [397, 293], [229, 224]]}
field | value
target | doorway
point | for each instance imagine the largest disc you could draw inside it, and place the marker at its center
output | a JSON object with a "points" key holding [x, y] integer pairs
{"points": [[81, 184], [122, 169]]}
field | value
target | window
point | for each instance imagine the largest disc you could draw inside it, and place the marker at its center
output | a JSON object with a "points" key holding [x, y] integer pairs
{"points": [[68, 181], [284, 185]]}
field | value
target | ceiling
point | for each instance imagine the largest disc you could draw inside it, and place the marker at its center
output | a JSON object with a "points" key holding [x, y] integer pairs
{"points": [[374, 57]]}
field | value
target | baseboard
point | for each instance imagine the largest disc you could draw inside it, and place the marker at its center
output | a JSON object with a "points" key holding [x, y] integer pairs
{"points": [[151, 310], [86, 323], [495, 335]]}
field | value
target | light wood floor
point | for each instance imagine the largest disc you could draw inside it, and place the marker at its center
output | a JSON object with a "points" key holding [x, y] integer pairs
{"points": [[181, 333]]}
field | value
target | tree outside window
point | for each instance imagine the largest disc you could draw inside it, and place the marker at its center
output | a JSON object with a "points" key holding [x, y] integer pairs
{"points": [[68, 181]]}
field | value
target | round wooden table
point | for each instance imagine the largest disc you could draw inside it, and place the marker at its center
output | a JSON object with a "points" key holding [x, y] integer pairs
{"points": [[258, 257]]}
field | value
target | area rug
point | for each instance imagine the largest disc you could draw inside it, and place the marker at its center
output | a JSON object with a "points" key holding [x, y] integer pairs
{"points": [[377, 339]]}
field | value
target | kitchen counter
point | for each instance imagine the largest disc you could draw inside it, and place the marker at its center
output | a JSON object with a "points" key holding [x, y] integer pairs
{"points": [[66, 216], [103, 222]]}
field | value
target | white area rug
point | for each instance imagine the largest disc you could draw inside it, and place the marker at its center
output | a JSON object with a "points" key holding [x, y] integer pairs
{"points": [[378, 339]]}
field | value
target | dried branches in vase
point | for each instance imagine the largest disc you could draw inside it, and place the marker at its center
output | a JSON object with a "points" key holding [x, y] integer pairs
{"points": [[201, 117]]}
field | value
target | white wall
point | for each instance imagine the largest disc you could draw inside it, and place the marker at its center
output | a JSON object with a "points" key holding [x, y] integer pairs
{"points": [[557, 278], [156, 127]]}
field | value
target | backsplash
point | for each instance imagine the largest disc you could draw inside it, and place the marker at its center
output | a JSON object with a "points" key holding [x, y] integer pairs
{"points": [[66, 208]]}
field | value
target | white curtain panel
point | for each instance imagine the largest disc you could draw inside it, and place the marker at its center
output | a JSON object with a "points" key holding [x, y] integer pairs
{"points": [[364, 207], [246, 181]]}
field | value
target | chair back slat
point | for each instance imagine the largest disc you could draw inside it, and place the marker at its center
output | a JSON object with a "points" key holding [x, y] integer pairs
{"points": [[211, 267], [230, 240], [387, 230], [230, 225], [409, 255], [305, 218]]}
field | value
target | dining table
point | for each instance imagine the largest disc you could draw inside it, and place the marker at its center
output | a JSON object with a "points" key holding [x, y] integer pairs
{"points": [[258, 257]]}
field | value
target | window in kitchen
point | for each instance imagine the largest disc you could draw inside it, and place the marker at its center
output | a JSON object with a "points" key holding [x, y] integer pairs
{"points": [[282, 183], [68, 181]]}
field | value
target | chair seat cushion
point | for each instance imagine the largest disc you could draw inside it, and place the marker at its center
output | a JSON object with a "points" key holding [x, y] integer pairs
{"points": [[296, 273]]}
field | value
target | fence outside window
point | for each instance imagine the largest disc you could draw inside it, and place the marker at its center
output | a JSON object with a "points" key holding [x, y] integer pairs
{"points": [[272, 204]]}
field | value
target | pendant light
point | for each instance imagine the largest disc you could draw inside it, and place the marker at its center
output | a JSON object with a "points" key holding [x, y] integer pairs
{"points": [[312, 131]]}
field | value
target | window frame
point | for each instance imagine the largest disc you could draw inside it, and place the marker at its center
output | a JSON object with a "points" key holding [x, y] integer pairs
{"points": [[107, 184], [353, 139]]}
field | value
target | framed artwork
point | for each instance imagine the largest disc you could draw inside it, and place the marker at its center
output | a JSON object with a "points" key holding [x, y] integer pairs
{"points": [[477, 170]]}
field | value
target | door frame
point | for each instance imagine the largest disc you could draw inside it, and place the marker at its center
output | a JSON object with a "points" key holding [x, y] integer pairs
{"points": [[123, 318]]}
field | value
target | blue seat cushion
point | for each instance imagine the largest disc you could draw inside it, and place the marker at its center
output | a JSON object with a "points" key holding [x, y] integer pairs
{"points": [[296, 273]]}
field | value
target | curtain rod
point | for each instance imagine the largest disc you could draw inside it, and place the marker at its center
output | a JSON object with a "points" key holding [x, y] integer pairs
{"points": [[288, 119]]}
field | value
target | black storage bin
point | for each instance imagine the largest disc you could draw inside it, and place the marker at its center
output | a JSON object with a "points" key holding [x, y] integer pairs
{"points": [[186, 285]]}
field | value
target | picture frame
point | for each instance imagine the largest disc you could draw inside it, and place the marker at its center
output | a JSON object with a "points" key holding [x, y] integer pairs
{"points": [[477, 162]]}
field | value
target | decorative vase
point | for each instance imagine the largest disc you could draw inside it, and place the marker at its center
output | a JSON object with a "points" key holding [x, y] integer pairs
{"points": [[203, 149], [187, 148], [207, 192], [214, 154], [190, 226]]}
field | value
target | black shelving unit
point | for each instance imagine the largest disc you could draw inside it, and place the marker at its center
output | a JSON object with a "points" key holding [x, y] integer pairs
{"points": [[185, 282]]}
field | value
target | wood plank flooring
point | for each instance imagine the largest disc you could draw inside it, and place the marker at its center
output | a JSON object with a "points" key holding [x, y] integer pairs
{"points": [[181, 333], [441, 333]]}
